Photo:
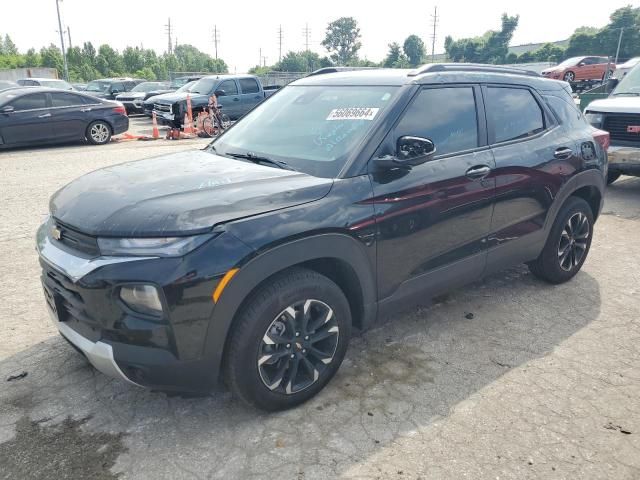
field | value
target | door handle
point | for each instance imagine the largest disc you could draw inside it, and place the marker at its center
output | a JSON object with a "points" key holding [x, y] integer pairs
{"points": [[44, 115], [479, 171], [563, 152], [85, 109]]}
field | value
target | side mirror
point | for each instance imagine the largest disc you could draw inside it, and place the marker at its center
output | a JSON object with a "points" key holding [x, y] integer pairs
{"points": [[410, 151], [7, 109], [220, 93], [115, 92]]}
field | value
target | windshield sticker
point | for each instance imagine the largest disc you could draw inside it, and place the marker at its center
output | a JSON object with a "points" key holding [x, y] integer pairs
{"points": [[355, 113]]}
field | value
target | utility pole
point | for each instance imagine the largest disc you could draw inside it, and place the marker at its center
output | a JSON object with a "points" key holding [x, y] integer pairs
{"points": [[434, 19], [216, 39], [280, 43], [69, 35], [619, 42], [260, 57], [167, 28], [306, 32], [64, 52]]}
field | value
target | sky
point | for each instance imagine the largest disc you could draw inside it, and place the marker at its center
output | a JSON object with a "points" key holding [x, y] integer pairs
{"points": [[248, 30]]}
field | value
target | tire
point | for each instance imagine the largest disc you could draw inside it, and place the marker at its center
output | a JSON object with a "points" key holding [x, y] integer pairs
{"points": [[607, 75], [258, 362], [225, 121], [569, 77], [612, 177], [569, 234], [98, 132]]}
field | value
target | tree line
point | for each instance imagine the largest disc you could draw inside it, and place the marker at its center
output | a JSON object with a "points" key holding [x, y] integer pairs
{"points": [[342, 43], [86, 63]]}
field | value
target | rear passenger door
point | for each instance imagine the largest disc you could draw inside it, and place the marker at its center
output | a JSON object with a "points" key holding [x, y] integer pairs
{"points": [[69, 115], [531, 152], [251, 94], [230, 101], [30, 120], [433, 219]]}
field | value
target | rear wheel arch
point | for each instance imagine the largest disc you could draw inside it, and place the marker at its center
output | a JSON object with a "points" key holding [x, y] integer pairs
{"points": [[592, 196]]}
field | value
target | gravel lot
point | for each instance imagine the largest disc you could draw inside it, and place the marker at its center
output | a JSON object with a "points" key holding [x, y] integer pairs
{"points": [[540, 382]]}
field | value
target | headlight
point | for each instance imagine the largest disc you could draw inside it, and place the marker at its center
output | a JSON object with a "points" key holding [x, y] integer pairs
{"points": [[142, 299], [153, 247], [595, 119]]}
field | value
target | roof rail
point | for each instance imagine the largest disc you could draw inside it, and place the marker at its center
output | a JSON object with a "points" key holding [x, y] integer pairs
{"points": [[323, 70], [470, 67]]}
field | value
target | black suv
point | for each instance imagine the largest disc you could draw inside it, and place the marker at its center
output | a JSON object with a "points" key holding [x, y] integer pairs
{"points": [[110, 88], [336, 201]]}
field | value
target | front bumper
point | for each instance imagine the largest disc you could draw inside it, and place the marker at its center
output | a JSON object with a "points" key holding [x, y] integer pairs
{"points": [[624, 159], [168, 353], [133, 106]]}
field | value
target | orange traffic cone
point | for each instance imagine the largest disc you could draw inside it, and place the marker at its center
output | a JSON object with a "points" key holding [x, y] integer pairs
{"points": [[156, 132], [189, 110], [187, 125]]}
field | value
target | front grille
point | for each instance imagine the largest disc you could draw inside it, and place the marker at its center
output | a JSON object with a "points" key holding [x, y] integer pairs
{"points": [[617, 126], [64, 298], [76, 240], [126, 99], [162, 107]]}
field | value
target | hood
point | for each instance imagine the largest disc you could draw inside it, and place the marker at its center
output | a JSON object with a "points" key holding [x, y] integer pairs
{"points": [[621, 104], [154, 93], [96, 94], [180, 194], [130, 95], [174, 97]]}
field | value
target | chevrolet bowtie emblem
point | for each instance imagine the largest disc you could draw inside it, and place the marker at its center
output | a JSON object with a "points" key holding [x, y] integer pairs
{"points": [[56, 233]]}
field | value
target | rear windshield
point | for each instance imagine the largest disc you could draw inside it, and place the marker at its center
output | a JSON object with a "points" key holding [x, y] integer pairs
{"points": [[98, 86]]}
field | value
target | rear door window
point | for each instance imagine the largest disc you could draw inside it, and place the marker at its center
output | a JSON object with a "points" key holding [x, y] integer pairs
{"points": [[447, 116], [513, 113], [30, 102], [229, 87], [249, 85], [66, 100]]}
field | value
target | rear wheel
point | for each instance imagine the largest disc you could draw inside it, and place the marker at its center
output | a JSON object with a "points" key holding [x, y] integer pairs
{"points": [[98, 132], [288, 341], [607, 75], [569, 77], [612, 177], [568, 243]]}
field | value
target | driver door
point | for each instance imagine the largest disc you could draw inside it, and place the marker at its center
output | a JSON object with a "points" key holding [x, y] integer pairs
{"points": [[230, 101], [433, 219]]}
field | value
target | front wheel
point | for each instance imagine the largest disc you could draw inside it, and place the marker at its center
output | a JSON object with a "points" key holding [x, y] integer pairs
{"points": [[569, 77], [288, 341], [568, 243], [98, 132]]}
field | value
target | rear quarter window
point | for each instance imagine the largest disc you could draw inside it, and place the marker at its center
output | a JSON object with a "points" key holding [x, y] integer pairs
{"points": [[566, 111]]}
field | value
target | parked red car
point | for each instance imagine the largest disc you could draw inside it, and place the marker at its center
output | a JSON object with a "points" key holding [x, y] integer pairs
{"points": [[581, 68]]}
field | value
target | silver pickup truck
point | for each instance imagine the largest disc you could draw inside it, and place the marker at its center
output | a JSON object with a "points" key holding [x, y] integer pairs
{"points": [[619, 114]]}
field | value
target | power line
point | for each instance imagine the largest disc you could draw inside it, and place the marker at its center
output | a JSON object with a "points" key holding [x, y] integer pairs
{"points": [[167, 28], [306, 32], [280, 43], [216, 39], [434, 19]]}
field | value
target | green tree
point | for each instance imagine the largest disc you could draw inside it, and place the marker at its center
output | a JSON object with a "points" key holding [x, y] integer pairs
{"points": [[89, 53], [305, 61], [342, 40], [395, 58], [549, 53], [8, 47], [51, 57], [414, 49], [492, 47], [32, 58]]}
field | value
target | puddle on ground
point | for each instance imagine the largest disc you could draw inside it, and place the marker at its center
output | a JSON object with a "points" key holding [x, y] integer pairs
{"points": [[61, 451]]}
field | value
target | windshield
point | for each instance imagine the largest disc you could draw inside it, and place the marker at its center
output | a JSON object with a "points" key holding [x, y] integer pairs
{"points": [[97, 86], [311, 128], [630, 83], [570, 62], [178, 82], [56, 84], [146, 87], [187, 87], [204, 85]]}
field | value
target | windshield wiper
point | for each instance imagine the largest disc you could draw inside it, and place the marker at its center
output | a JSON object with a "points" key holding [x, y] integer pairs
{"points": [[252, 157]]}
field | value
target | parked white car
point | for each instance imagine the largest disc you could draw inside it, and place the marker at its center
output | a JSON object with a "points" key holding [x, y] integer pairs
{"points": [[624, 68]]}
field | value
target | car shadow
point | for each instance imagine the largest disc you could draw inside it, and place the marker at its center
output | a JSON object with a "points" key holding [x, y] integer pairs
{"points": [[623, 198], [403, 375]]}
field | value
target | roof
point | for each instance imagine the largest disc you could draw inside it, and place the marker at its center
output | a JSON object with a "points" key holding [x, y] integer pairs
{"points": [[433, 73]]}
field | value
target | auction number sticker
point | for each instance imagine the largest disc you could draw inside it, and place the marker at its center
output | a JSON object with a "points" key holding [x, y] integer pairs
{"points": [[354, 113]]}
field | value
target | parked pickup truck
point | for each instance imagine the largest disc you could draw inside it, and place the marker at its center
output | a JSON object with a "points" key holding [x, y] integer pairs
{"points": [[620, 116], [237, 94]]}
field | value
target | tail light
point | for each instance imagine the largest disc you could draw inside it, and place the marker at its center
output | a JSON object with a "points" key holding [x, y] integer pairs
{"points": [[121, 110], [602, 137]]}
